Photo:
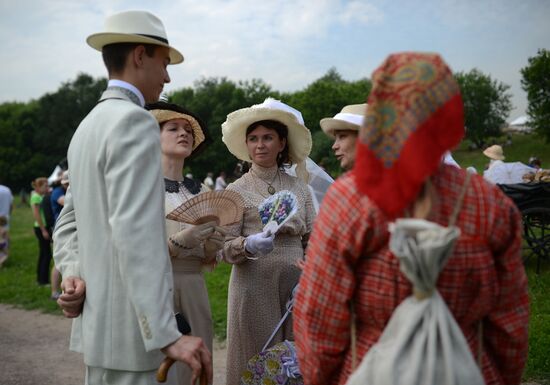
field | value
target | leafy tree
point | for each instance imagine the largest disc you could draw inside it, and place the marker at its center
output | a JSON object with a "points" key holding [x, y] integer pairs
{"points": [[486, 105], [35, 136], [536, 82], [16, 120]]}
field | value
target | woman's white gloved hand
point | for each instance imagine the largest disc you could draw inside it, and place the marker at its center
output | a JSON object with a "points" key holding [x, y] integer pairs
{"points": [[193, 236], [259, 243]]}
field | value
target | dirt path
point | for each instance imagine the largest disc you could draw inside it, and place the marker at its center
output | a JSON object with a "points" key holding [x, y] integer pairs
{"points": [[34, 350]]}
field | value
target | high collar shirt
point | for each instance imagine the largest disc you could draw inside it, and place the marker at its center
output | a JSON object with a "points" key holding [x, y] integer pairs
{"points": [[129, 87]]}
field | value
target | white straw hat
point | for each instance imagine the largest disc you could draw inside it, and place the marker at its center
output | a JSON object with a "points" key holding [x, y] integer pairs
{"points": [[494, 152], [350, 118], [299, 136], [134, 27]]}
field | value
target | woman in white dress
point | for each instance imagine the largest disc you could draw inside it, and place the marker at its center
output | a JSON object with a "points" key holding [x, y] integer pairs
{"points": [[271, 136]]}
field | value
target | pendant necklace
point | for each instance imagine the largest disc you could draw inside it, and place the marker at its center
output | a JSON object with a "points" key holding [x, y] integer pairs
{"points": [[270, 189]]}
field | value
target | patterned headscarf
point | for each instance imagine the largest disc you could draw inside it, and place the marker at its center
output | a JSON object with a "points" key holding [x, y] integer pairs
{"points": [[415, 114]]}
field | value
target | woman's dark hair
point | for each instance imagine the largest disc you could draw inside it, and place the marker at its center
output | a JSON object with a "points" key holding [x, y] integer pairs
{"points": [[283, 159], [114, 55]]}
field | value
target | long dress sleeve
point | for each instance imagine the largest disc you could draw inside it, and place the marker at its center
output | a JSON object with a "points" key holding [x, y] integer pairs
{"points": [[322, 307]]}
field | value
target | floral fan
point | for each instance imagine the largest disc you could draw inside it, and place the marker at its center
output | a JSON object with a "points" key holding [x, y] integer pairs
{"points": [[277, 209], [222, 206]]}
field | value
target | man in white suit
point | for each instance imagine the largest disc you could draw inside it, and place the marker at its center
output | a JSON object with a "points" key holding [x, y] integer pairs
{"points": [[111, 231]]}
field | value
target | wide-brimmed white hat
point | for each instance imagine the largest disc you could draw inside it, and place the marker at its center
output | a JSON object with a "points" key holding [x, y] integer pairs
{"points": [[494, 152], [299, 136], [350, 118], [134, 27]]}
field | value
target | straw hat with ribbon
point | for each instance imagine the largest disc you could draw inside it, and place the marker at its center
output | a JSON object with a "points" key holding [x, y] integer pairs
{"points": [[163, 112], [494, 152], [134, 27], [350, 118], [299, 137]]}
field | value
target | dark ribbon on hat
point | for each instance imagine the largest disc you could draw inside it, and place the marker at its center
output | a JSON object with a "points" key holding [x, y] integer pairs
{"points": [[155, 37]]}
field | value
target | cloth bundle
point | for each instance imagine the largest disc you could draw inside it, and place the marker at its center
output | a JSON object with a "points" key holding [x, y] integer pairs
{"points": [[422, 343]]}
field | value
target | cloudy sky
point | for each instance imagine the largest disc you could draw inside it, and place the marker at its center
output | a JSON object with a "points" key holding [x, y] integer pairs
{"points": [[288, 44]]}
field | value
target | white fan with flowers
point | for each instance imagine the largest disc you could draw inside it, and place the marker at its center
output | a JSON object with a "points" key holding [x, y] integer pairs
{"points": [[277, 209]]}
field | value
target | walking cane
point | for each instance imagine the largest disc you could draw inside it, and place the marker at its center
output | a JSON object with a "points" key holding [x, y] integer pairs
{"points": [[162, 372]]}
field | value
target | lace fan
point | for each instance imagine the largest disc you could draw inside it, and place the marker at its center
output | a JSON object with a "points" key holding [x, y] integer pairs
{"points": [[277, 209], [222, 206]]}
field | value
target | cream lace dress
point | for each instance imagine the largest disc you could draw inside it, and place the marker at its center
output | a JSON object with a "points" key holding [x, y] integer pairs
{"points": [[260, 288], [190, 293]]}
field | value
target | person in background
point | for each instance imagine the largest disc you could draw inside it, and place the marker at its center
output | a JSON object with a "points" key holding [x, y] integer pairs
{"points": [[40, 189], [343, 128], [3, 239], [398, 173], [272, 136], [57, 199], [192, 249], [6, 208], [110, 238], [221, 184], [209, 181], [495, 155], [535, 163]]}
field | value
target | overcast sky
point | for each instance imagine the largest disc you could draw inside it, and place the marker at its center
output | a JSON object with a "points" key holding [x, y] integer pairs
{"points": [[288, 44]]}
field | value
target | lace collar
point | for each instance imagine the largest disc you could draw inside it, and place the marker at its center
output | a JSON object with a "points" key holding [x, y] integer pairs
{"points": [[173, 186], [264, 173]]}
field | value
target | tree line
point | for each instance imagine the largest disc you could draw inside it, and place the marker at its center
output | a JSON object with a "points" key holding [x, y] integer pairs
{"points": [[35, 135]]}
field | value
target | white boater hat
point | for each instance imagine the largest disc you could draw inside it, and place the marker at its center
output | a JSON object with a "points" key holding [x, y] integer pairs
{"points": [[134, 27], [350, 118]]}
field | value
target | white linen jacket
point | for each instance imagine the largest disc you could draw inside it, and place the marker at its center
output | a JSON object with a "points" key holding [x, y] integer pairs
{"points": [[111, 233]]}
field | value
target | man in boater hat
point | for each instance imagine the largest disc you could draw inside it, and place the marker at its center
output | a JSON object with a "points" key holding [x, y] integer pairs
{"points": [[111, 233], [343, 128]]}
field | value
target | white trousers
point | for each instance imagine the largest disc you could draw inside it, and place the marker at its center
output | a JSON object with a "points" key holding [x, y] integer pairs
{"points": [[102, 376]]}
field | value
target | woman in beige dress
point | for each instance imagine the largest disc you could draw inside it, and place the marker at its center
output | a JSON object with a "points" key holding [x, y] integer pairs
{"points": [[191, 248], [271, 136]]}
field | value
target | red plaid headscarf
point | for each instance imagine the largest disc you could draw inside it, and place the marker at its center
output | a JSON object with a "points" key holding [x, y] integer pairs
{"points": [[415, 114]]}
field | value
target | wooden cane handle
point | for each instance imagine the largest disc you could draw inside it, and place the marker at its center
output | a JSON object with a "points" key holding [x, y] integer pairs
{"points": [[162, 371], [165, 365]]}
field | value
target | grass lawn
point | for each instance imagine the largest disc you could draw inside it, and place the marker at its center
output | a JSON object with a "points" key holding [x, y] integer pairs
{"points": [[18, 276]]}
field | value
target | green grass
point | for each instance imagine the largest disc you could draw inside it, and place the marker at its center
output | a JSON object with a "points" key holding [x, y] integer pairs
{"points": [[522, 148], [18, 275], [538, 364], [217, 282]]}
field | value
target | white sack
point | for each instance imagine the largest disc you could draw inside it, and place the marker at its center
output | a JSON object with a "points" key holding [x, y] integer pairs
{"points": [[422, 343]]}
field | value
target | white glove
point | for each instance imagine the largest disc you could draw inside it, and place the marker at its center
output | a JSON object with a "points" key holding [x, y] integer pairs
{"points": [[192, 236], [260, 243]]}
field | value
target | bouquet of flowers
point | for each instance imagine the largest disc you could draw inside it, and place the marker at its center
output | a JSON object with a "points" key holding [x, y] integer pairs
{"points": [[277, 209]]}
